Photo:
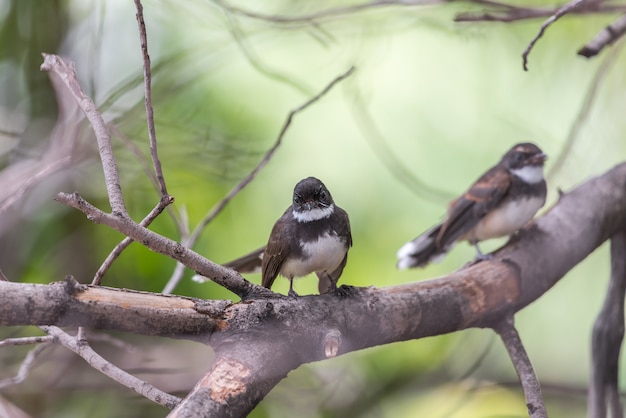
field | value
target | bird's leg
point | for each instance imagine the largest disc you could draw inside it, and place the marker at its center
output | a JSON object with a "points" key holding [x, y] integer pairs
{"points": [[292, 293], [479, 255]]}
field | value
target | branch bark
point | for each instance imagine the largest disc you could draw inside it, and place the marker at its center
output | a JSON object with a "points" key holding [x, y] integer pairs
{"points": [[258, 341]]}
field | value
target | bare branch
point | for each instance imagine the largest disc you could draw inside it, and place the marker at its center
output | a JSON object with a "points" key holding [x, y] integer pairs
{"points": [[475, 296], [54, 63], [606, 342], [562, 11], [25, 367], [119, 248], [109, 369], [72, 304], [147, 75], [504, 12], [327, 13], [606, 37], [190, 242], [35, 178], [26, 340], [530, 385]]}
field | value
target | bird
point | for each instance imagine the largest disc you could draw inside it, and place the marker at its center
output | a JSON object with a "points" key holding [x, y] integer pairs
{"points": [[312, 236], [501, 201]]}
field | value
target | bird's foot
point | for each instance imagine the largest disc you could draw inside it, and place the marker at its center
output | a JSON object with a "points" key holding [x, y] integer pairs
{"points": [[343, 291], [292, 294]]}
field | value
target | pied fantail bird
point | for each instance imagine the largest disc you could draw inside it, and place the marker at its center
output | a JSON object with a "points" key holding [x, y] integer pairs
{"points": [[499, 203]]}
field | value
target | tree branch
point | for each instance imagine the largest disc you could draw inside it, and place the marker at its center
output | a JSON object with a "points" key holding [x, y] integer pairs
{"points": [[122, 245], [55, 64], [287, 332], [530, 385], [25, 367], [109, 369], [606, 37], [562, 11], [147, 76], [606, 340], [223, 276]]}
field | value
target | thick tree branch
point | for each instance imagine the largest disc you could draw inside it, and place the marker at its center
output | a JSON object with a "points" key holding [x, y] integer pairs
{"points": [[72, 304], [606, 340], [287, 332]]}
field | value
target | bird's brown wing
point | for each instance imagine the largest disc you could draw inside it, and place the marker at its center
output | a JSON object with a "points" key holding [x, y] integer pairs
{"points": [[465, 212], [344, 231], [275, 253]]}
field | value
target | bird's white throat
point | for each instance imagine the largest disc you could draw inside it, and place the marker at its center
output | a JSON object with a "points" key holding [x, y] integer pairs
{"points": [[530, 174], [313, 214]]}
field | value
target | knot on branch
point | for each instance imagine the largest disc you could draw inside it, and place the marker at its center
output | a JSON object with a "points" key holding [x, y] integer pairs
{"points": [[331, 343], [72, 287]]}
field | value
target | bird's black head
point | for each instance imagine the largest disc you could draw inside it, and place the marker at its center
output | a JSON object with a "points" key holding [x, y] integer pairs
{"points": [[522, 155], [310, 193], [312, 201], [525, 161]]}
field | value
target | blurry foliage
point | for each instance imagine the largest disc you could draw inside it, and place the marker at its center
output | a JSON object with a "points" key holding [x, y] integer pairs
{"points": [[447, 98]]}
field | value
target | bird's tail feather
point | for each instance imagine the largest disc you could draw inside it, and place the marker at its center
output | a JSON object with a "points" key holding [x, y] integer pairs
{"points": [[249, 263], [422, 250]]}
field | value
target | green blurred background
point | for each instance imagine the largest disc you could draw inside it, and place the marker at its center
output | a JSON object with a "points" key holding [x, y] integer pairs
{"points": [[440, 99]]}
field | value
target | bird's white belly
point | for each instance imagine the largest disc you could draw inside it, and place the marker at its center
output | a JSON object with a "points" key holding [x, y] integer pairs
{"points": [[506, 219], [325, 254]]}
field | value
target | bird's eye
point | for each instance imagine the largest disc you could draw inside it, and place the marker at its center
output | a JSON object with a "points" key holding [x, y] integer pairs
{"points": [[322, 195], [297, 198], [518, 157]]}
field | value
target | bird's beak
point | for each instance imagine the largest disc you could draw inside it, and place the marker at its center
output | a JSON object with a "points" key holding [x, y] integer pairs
{"points": [[539, 158]]}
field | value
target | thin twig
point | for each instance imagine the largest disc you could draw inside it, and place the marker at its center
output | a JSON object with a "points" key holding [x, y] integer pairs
{"points": [[34, 179], [11, 134], [165, 200], [119, 248], [26, 340], [149, 110], [584, 111], [193, 237], [562, 11], [530, 385], [506, 13], [109, 369], [55, 64], [327, 13], [223, 276], [25, 367], [606, 37]]}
